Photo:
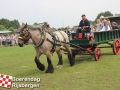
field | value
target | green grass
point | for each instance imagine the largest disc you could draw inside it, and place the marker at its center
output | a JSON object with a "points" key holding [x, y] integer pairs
{"points": [[87, 74]]}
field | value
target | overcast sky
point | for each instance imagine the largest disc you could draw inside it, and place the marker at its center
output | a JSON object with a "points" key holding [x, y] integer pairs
{"points": [[56, 12]]}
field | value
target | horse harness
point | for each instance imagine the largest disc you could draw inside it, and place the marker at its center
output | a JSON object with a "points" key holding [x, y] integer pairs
{"points": [[43, 37], [54, 42]]}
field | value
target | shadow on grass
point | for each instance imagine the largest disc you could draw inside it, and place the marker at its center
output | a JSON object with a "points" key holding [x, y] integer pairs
{"points": [[82, 58], [87, 58], [107, 54]]}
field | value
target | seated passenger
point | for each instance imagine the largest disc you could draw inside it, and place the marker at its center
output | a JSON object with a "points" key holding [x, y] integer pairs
{"points": [[90, 36], [114, 25], [98, 25], [105, 25], [109, 23]]}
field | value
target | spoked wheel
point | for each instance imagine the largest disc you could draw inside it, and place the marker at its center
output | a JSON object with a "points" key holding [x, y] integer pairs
{"points": [[116, 49], [97, 54]]}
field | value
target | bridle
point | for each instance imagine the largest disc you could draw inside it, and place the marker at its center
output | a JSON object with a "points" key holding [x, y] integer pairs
{"points": [[23, 35], [28, 36]]}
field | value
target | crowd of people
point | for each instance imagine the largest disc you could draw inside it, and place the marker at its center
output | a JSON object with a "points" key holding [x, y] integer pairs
{"points": [[8, 40]]}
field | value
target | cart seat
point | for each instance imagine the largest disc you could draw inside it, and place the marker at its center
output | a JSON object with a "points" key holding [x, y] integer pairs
{"points": [[79, 35]]}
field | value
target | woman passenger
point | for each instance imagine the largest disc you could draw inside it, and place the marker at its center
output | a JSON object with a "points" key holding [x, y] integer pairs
{"points": [[109, 23], [98, 25]]}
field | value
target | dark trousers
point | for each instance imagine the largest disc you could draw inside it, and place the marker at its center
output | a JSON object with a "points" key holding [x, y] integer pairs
{"points": [[83, 32]]}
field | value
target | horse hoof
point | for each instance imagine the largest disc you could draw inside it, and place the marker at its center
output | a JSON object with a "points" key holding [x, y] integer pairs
{"points": [[49, 71], [59, 66], [72, 64]]}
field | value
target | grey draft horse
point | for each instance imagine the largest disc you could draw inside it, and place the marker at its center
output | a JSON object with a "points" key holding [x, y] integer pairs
{"points": [[45, 44]]}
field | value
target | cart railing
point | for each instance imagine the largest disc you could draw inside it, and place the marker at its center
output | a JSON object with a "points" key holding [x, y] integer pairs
{"points": [[102, 37]]}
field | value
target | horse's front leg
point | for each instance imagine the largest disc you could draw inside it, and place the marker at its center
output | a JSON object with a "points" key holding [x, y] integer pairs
{"points": [[50, 68], [40, 66]]}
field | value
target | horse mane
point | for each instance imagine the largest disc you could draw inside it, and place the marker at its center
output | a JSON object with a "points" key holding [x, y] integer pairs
{"points": [[33, 27]]}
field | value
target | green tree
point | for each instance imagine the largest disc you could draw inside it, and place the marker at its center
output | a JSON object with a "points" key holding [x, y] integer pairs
{"points": [[92, 22], [45, 22], [62, 28], [5, 22], [105, 14], [2, 27], [15, 24], [11, 29], [53, 28], [35, 23]]}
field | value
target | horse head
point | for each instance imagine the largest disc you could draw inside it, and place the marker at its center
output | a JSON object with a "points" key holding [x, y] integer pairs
{"points": [[24, 35]]}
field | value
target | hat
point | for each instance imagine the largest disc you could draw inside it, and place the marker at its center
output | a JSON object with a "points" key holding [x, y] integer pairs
{"points": [[83, 15], [102, 17], [114, 23]]}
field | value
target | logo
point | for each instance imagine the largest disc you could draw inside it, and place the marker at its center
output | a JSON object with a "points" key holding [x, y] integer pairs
{"points": [[5, 81]]}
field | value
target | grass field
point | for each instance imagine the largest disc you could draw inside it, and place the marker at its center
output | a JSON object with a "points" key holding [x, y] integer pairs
{"points": [[87, 74]]}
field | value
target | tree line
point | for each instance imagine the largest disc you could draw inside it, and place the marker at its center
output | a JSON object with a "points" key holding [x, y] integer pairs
{"points": [[6, 24], [105, 14]]}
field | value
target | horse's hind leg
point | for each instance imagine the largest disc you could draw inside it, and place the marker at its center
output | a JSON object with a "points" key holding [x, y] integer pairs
{"points": [[60, 63], [38, 63], [70, 56], [50, 68]]}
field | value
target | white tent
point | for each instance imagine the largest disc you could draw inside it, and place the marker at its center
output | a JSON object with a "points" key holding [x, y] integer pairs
{"points": [[4, 31]]}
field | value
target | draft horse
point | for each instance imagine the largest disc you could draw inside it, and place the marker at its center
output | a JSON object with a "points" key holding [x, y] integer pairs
{"points": [[44, 43]]}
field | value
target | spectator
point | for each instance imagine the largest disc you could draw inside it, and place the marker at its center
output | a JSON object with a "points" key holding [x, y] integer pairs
{"points": [[12, 39], [73, 33], [67, 32], [3, 40], [0, 40]]}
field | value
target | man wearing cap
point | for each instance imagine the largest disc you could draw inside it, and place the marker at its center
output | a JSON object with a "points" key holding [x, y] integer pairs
{"points": [[84, 26]]}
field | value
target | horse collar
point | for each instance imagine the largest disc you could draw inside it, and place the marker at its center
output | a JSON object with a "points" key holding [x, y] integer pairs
{"points": [[42, 39]]}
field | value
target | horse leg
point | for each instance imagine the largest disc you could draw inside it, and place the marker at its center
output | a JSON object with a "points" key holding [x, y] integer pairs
{"points": [[50, 68], [70, 56], [40, 66], [60, 63]]}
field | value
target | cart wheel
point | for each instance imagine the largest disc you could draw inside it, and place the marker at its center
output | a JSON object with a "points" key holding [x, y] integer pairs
{"points": [[116, 49], [97, 54]]}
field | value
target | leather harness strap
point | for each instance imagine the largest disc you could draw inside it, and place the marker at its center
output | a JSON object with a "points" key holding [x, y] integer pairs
{"points": [[63, 36], [42, 39]]}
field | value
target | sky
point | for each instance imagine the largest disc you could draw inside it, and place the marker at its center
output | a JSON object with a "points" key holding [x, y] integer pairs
{"points": [[58, 13]]}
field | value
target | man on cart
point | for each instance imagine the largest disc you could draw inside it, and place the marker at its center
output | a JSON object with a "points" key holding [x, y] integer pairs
{"points": [[84, 27]]}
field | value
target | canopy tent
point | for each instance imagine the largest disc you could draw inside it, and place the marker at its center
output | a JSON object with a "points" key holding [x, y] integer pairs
{"points": [[4, 31]]}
